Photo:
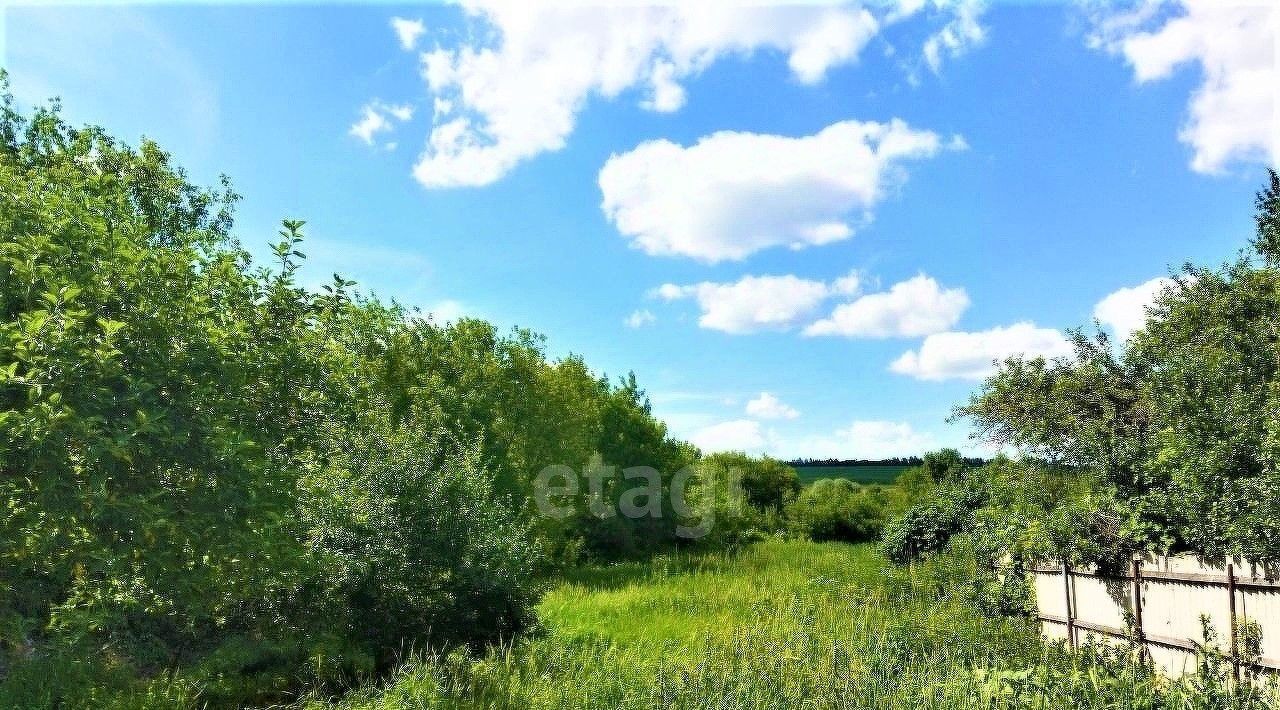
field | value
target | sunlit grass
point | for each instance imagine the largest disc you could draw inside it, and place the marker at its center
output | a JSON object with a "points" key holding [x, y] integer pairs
{"points": [[783, 624]]}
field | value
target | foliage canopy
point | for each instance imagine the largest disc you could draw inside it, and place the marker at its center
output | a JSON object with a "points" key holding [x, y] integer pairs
{"points": [[1181, 424]]}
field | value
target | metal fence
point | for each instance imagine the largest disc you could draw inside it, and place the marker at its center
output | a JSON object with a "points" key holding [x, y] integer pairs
{"points": [[1158, 605]]}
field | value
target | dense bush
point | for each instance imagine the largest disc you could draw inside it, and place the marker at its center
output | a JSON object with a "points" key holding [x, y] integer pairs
{"points": [[154, 395], [732, 498], [918, 482], [411, 543], [1164, 444], [929, 525], [839, 509], [767, 483]]}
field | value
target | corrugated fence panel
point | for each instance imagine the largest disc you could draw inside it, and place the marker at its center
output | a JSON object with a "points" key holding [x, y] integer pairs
{"points": [[1174, 609], [1050, 597], [1102, 601], [1175, 594], [1263, 608]]}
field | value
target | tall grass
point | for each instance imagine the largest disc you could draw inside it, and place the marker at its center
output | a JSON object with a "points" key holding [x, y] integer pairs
{"points": [[781, 625]]}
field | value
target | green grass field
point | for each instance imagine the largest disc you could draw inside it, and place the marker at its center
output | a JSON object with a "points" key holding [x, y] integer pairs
{"points": [[857, 474], [782, 625]]}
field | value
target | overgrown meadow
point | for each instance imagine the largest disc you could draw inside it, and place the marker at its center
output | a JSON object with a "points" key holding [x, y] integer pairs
{"points": [[783, 624]]}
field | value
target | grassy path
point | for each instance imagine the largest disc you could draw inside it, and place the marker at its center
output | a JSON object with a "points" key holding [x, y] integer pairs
{"points": [[780, 625]]}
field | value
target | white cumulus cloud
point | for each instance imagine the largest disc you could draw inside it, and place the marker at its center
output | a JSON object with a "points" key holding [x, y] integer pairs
{"points": [[732, 194], [1232, 115], [960, 355], [517, 84], [767, 406], [917, 306], [407, 31], [736, 435], [371, 123], [1125, 310], [757, 303]]}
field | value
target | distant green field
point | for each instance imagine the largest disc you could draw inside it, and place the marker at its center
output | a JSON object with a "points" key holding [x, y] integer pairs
{"points": [[858, 474]]}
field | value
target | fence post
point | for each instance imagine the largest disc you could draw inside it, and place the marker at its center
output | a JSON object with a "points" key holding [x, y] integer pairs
{"points": [[1139, 636], [1066, 588], [1231, 592]]}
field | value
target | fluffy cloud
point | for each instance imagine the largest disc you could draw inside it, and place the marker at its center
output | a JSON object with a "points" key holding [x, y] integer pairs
{"points": [[767, 406], [945, 356], [516, 90], [737, 435], [376, 117], [640, 318], [756, 303], [1125, 310], [407, 31], [732, 194], [917, 306], [866, 440], [371, 123], [1232, 114]]}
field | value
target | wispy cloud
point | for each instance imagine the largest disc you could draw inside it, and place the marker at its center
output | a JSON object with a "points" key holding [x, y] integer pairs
{"points": [[1232, 115], [376, 118], [640, 318]]}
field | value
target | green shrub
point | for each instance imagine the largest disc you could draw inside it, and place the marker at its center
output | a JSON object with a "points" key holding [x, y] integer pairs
{"points": [[1016, 511], [154, 392], [413, 545], [839, 509], [1179, 422], [918, 482], [735, 499], [766, 483], [928, 526]]}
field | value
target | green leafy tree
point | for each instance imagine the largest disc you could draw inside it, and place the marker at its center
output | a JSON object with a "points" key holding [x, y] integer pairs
{"points": [[767, 483], [208, 469], [918, 482], [152, 395], [839, 509], [1180, 424]]}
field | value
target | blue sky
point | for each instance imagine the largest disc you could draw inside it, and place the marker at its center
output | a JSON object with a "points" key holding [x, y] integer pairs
{"points": [[807, 229]]}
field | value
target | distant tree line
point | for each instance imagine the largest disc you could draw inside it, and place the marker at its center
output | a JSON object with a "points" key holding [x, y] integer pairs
{"points": [[904, 461]]}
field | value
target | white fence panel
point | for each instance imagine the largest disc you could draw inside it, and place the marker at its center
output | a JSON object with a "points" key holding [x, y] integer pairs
{"points": [[1174, 594]]}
